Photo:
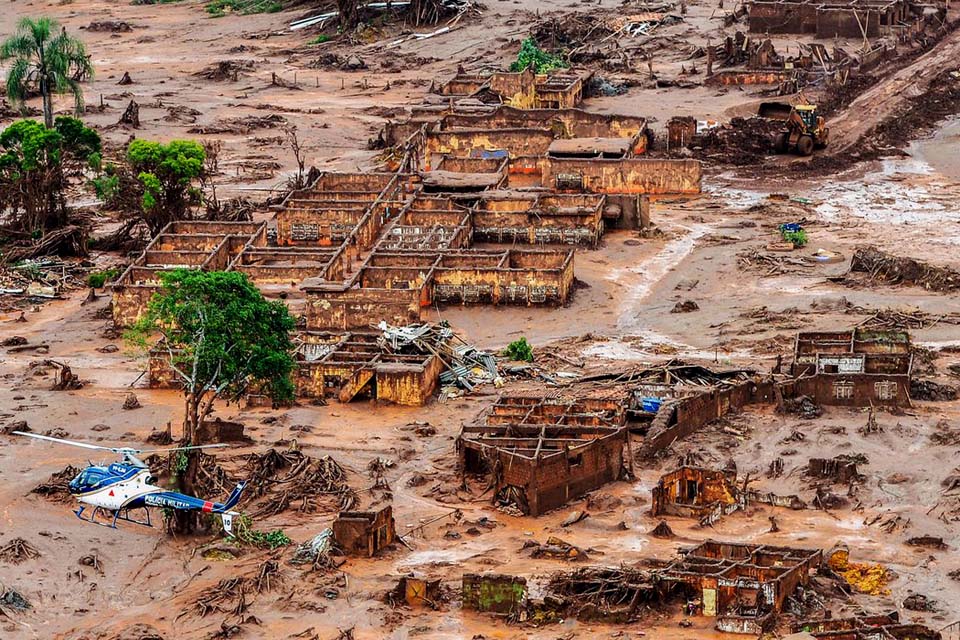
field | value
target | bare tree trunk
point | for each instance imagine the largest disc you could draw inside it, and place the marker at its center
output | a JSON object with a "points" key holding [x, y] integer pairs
{"points": [[47, 104], [349, 16], [185, 522]]}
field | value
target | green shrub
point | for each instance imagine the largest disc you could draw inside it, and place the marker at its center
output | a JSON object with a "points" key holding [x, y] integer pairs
{"points": [[519, 350], [531, 55], [263, 539], [798, 237], [220, 8], [97, 279], [320, 39], [106, 187]]}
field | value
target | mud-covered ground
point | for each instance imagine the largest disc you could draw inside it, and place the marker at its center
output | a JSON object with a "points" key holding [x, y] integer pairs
{"points": [[748, 314]]}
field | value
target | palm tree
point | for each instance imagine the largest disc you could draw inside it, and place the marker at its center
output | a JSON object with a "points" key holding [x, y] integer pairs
{"points": [[44, 55]]}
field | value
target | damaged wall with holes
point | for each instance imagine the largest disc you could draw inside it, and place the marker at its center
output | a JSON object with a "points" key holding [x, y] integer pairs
{"points": [[744, 586], [858, 19], [542, 452], [856, 368], [351, 365]]}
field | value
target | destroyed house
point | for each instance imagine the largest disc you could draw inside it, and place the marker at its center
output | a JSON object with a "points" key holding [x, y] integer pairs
{"points": [[853, 368], [615, 595], [878, 627], [693, 492], [565, 150], [395, 287], [532, 410], [858, 19], [350, 365], [708, 495], [210, 246], [744, 586], [512, 217], [364, 533], [558, 89], [541, 455]]}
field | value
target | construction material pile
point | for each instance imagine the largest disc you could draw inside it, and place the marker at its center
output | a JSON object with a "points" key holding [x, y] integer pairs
{"points": [[40, 279], [465, 365]]}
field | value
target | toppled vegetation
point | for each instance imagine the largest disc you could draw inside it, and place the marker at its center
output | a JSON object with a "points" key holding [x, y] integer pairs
{"points": [[57, 488], [18, 550], [884, 267]]}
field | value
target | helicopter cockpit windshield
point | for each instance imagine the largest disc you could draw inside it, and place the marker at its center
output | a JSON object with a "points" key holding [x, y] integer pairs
{"points": [[89, 478]]}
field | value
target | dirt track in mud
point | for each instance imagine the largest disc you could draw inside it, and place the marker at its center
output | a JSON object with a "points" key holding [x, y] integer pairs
{"points": [[748, 316]]}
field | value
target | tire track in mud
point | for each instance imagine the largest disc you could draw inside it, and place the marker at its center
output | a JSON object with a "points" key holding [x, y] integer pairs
{"points": [[886, 98]]}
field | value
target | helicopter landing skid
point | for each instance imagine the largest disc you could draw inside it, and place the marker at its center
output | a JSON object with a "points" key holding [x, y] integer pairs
{"points": [[119, 514]]}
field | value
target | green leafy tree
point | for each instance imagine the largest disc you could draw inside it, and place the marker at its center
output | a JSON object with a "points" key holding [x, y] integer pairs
{"points": [[167, 173], [223, 338], [44, 57], [37, 164]]}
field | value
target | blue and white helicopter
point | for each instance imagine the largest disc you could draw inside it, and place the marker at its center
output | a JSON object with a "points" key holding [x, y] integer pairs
{"points": [[117, 488]]}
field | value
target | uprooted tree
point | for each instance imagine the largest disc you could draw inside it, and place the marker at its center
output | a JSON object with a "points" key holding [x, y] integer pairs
{"points": [[37, 165], [223, 339], [44, 58], [350, 13]]}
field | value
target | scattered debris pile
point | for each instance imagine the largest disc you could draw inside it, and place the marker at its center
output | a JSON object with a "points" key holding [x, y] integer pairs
{"points": [[231, 596], [18, 550], [241, 125], [931, 391], [611, 594], [741, 142], [803, 406], [884, 267], [226, 70], [31, 280], [557, 549], [466, 366], [57, 488], [315, 552], [12, 602], [282, 480]]}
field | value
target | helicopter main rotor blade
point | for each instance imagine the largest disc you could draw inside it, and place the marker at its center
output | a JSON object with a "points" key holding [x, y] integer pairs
{"points": [[195, 446], [72, 443]]}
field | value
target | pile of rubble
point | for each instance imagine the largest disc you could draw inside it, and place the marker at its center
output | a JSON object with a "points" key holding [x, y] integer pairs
{"points": [[466, 367], [884, 267]]}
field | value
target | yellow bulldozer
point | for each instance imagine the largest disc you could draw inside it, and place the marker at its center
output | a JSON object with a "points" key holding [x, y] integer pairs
{"points": [[803, 130]]}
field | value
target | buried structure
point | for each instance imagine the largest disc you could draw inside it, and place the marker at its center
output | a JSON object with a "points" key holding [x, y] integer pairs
{"points": [[855, 368], [744, 586]]}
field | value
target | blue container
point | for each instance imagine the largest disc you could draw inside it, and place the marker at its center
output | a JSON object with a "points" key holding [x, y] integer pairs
{"points": [[650, 405]]}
